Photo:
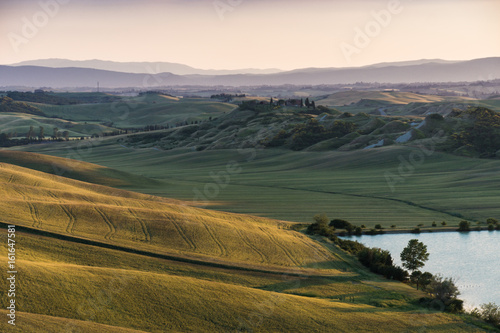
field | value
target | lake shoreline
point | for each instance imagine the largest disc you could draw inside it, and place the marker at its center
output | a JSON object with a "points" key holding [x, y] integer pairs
{"points": [[409, 231], [466, 257]]}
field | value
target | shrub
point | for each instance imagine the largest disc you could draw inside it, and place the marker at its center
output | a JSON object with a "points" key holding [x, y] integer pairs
{"points": [[435, 116], [339, 224], [489, 312], [445, 291], [492, 221]]}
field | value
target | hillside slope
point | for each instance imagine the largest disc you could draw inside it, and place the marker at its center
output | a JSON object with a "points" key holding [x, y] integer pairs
{"points": [[155, 224]]}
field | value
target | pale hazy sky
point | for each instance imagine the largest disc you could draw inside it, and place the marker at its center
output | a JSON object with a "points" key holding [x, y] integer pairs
{"points": [[230, 34]]}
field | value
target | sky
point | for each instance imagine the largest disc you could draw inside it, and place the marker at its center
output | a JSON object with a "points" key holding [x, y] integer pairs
{"points": [[234, 34]]}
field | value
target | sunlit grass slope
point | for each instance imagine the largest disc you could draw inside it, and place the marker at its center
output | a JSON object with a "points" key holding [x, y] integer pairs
{"points": [[37, 323], [68, 287], [47, 202]]}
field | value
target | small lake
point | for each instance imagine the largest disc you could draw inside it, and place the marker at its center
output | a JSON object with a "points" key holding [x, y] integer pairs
{"points": [[471, 259]]}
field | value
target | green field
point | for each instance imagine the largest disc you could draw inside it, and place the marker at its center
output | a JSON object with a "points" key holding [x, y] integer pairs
{"points": [[133, 112], [20, 123], [294, 186]]}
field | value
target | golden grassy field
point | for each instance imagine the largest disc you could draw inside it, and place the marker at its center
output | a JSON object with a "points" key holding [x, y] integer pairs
{"points": [[67, 287]]}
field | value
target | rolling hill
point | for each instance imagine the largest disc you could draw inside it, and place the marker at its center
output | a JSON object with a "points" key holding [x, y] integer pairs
{"points": [[150, 223], [128, 262]]}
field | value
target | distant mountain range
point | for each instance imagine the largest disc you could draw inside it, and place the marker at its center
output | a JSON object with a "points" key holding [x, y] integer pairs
{"points": [[406, 72], [141, 67]]}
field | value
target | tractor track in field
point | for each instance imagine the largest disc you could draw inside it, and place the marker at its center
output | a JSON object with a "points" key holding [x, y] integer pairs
{"points": [[181, 232], [112, 229], [144, 227], [37, 223], [171, 257], [88, 200], [71, 217], [11, 178], [246, 240], [284, 249], [222, 248]]}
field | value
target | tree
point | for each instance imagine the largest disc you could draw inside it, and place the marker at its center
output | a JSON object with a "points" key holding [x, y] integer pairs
{"points": [[320, 226], [4, 138], [313, 104], [41, 135], [414, 255], [490, 313], [320, 219], [31, 134], [464, 226], [445, 291], [66, 135], [307, 103], [56, 133], [425, 280]]}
